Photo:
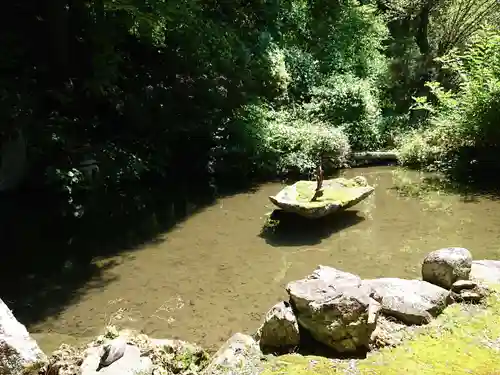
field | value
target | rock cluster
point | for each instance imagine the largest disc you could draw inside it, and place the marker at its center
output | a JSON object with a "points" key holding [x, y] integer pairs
{"points": [[335, 308], [468, 291], [348, 314], [114, 353]]}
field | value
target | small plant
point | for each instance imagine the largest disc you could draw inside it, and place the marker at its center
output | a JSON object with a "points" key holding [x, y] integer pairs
{"points": [[270, 225]]}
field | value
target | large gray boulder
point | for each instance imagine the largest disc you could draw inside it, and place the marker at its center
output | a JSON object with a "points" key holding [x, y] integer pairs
{"points": [[335, 308], [486, 271], [445, 266], [19, 353], [130, 363], [280, 331], [410, 301], [240, 355]]}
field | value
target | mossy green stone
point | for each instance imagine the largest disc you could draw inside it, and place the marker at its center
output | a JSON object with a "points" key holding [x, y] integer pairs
{"points": [[337, 194]]}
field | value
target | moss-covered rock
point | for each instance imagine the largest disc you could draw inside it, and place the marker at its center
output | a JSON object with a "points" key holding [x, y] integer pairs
{"points": [[336, 194]]}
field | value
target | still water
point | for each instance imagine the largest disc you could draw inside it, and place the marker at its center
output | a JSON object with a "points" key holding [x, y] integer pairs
{"points": [[216, 274]]}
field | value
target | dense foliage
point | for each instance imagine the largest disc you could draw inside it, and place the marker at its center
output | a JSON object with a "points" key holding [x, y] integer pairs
{"points": [[462, 131], [127, 104]]}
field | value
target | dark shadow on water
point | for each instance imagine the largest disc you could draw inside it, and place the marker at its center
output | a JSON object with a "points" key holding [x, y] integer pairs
{"points": [[36, 295], [289, 229], [49, 261], [469, 192]]}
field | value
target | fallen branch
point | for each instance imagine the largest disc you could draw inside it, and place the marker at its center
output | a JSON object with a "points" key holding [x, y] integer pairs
{"points": [[375, 156]]}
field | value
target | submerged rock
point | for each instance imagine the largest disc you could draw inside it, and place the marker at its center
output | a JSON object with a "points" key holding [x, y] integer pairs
{"points": [[445, 266], [411, 301], [336, 194], [280, 331], [19, 353], [336, 314], [240, 355]]}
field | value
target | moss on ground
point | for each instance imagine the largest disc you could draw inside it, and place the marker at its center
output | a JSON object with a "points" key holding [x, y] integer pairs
{"points": [[464, 340]]}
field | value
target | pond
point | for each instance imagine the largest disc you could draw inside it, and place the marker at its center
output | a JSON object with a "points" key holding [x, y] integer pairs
{"points": [[216, 273]]}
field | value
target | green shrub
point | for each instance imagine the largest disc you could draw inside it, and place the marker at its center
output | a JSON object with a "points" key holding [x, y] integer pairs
{"points": [[304, 71], [429, 147], [392, 127], [279, 72], [240, 150], [463, 132], [299, 142], [351, 103], [349, 38], [265, 142]]}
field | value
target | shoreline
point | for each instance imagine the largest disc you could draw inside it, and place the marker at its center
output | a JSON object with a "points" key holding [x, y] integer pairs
{"points": [[289, 328]]}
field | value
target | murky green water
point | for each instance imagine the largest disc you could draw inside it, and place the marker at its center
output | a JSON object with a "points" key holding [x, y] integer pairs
{"points": [[214, 274]]}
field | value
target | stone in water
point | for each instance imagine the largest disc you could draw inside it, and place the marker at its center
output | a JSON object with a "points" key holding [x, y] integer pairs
{"points": [[337, 194]]}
